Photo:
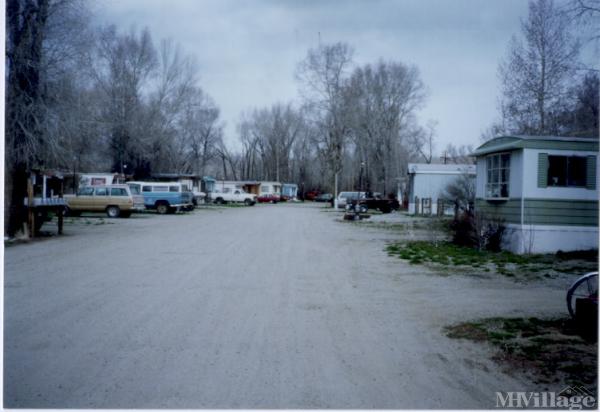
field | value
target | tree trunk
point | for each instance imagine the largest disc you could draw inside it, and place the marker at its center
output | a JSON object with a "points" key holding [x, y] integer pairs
{"points": [[26, 21]]}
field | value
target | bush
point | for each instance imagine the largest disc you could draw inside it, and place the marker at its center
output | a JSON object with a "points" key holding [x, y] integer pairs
{"points": [[478, 230], [463, 230]]}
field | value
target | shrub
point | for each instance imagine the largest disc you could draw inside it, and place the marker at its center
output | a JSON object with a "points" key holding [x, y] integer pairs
{"points": [[478, 230]]}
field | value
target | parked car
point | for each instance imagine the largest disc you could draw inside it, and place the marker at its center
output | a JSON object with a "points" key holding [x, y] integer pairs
{"points": [[324, 197], [311, 195], [345, 197], [267, 198], [227, 194], [374, 201], [115, 200], [164, 197]]}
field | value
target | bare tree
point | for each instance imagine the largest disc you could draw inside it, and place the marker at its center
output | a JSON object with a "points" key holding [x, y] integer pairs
{"points": [[323, 75], [421, 141], [535, 74], [458, 154], [202, 130], [587, 14], [461, 191], [124, 65], [26, 30], [581, 119], [384, 98]]}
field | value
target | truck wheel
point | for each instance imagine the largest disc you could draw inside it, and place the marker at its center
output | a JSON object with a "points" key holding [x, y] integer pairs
{"points": [[248, 202], [113, 211], [219, 200], [162, 208]]}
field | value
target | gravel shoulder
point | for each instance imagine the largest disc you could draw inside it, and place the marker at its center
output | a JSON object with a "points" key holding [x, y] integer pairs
{"points": [[272, 306]]}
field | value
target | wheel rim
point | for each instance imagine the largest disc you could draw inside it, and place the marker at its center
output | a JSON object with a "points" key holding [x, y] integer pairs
{"points": [[112, 212], [586, 287], [162, 209]]}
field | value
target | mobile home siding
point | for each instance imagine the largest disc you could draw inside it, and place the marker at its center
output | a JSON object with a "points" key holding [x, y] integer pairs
{"points": [[509, 211], [542, 211], [561, 212]]}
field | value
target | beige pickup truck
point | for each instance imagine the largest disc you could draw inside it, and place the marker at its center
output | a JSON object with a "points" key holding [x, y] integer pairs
{"points": [[115, 200]]}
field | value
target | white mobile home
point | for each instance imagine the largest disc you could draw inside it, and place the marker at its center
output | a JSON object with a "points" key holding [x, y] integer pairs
{"points": [[92, 179], [428, 181], [544, 189], [270, 188], [248, 186]]}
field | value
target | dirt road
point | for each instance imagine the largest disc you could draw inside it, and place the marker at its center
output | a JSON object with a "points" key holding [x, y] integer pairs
{"points": [[273, 306]]}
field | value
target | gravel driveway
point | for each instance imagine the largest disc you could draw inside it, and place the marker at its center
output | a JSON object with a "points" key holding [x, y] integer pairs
{"points": [[272, 306]]}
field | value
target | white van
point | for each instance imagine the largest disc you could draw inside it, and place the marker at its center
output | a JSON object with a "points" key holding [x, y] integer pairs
{"points": [[165, 197]]}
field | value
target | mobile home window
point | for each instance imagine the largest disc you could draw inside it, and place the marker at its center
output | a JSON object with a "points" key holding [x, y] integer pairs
{"points": [[264, 189], [567, 171], [498, 175]]}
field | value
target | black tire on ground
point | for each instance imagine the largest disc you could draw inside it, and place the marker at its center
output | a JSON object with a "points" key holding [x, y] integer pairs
{"points": [[162, 208], [248, 202], [113, 211], [219, 200]]}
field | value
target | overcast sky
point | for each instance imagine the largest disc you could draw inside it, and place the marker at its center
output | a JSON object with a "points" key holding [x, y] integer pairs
{"points": [[248, 50]]}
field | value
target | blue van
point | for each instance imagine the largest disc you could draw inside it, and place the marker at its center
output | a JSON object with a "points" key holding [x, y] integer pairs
{"points": [[164, 197]]}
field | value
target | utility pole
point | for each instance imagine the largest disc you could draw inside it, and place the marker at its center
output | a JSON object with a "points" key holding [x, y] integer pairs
{"points": [[445, 157], [335, 191], [276, 164]]}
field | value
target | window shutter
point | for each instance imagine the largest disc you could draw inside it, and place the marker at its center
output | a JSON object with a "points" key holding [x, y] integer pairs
{"points": [[542, 169], [590, 179]]}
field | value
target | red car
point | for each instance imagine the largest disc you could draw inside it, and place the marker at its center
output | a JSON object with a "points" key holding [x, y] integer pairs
{"points": [[311, 195], [267, 198]]}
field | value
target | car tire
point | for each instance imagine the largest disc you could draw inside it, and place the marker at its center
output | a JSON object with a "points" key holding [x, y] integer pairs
{"points": [[162, 208], [248, 202], [219, 200], [113, 211]]}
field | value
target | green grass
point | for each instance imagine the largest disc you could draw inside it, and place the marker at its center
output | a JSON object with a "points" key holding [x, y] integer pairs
{"points": [[504, 263], [548, 349]]}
